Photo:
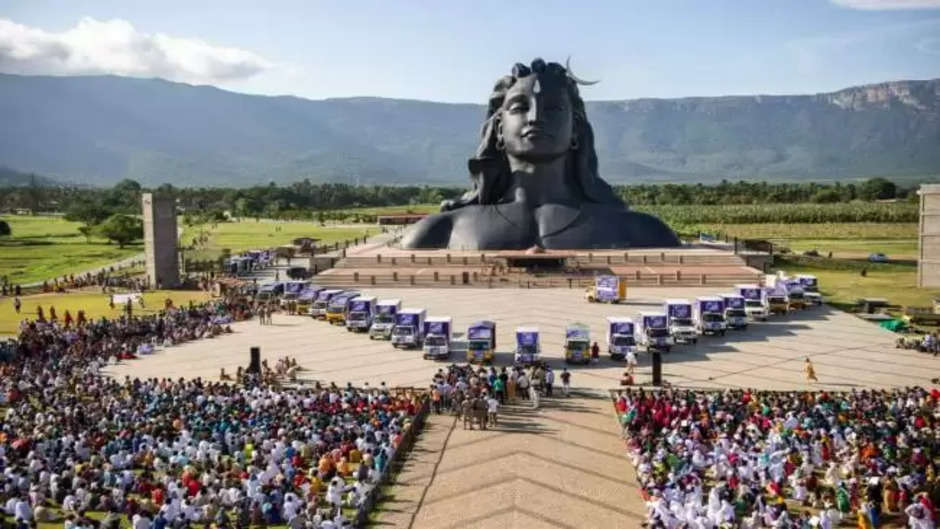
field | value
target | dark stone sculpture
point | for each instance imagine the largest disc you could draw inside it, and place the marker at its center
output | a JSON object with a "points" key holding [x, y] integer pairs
{"points": [[535, 180]]}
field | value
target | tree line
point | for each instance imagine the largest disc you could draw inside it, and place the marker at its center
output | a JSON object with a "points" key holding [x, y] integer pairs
{"points": [[306, 200]]}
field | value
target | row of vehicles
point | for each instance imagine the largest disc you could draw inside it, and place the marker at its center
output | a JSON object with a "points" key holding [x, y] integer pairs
{"points": [[679, 321], [683, 320]]}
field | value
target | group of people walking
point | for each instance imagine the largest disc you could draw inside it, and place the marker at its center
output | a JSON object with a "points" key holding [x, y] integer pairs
{"points": [[480, 390]]}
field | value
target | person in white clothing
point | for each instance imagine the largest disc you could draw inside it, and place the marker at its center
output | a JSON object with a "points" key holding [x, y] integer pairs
{"points": [[492, 409], [631, 362], [534, 396], [22, 511], [917, 517], [140, 521]]}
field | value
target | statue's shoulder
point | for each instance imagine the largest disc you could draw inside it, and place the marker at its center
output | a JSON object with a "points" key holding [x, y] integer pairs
{"points": [[642, 230], [432, 231]]}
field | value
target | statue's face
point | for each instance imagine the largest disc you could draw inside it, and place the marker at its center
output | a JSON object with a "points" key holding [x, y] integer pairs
{"points": [[536, 120]]}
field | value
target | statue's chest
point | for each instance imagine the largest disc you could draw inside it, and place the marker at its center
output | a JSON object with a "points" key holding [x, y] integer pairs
{"points": [[511, 227]]}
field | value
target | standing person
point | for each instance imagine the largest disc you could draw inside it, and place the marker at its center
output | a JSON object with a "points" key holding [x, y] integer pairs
{"points": [[499, 388], [565, 381], [595, 352], [511, 380], [17, 304], [549, 381], [631, 362], [492, 409], [523, 384], [810, 371], [534, 395]]}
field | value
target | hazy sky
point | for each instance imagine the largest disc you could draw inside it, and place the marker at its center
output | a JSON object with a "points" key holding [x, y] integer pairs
{"points": [[454, 51]]}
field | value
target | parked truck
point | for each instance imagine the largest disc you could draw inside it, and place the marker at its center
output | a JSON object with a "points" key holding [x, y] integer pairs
{"points": [[755, 302], [620, 337], [653, 332], [409, 328], [481, 341], [292, 290], [607, 289], [318, 310], [437, 337], [338, 308], [778, 302], [528, 349], [811, 293], [795, 293], [679, 317], [708, 313], [306, 298], [577, 344], [384, 319], [361, 312], [810, 282], [270, 292], [735, 312], [789, 287]]}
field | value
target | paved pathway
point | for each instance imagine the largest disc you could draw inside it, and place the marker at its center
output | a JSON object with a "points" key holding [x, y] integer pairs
{"points": [[560, 466]]}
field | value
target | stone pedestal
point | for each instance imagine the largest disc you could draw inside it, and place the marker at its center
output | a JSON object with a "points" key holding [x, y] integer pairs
{"points": [[928, 259], [160, 241]]}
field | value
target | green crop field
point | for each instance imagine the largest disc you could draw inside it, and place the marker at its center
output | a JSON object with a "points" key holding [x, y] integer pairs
{"points": [[95, 305], [846, 239], [42, 248], [251, 234], [690, 215]]}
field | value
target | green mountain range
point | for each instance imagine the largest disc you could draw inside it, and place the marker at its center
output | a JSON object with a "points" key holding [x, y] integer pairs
{"points": [[98, 130]]}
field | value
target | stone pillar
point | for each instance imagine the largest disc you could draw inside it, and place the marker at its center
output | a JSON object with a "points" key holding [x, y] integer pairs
{"points": [[928, 258], [160, 237]]}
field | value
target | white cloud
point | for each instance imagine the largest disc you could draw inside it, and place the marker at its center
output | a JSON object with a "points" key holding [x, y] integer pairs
{"points": [[116, 47], [880, 5]]}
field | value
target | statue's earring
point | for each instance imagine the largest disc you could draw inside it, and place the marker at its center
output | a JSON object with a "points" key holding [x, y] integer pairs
{"points": [[574, 143]]}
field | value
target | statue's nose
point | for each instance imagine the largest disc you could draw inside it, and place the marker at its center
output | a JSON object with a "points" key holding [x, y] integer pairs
{"points": [[535, 111]]}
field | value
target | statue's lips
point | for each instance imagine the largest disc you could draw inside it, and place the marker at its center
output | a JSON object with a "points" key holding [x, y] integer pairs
{"points": [[535, 134]]}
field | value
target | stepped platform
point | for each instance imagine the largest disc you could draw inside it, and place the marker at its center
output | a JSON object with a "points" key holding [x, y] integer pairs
{"points": [[387, 266]]}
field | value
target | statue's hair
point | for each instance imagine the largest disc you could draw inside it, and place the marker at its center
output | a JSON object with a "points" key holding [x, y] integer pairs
{"points": [[489, 169]]}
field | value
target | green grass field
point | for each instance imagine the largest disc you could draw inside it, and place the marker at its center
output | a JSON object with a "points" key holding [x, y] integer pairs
{"points": [[95, 305], [42, 248], [841, 281], [393, 210], [249, 234]]}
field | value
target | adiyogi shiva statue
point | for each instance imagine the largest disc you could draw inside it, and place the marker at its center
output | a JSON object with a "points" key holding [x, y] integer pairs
{"points": [[534, 178]]}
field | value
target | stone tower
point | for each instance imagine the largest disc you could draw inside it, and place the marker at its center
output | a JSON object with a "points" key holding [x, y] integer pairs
{"points": [[160, 241], [928, 259]]}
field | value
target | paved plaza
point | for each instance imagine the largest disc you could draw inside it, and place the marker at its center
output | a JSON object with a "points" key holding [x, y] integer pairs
{"points": [[846, 351], [563, 465]]}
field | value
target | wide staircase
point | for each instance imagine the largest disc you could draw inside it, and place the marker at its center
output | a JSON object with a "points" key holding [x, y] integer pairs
{"points": [[445, 269]]}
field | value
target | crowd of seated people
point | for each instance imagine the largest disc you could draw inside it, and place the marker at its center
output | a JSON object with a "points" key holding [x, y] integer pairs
{"points": [[128, 336], [76, 447], [753, 459], [928, 343]]}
